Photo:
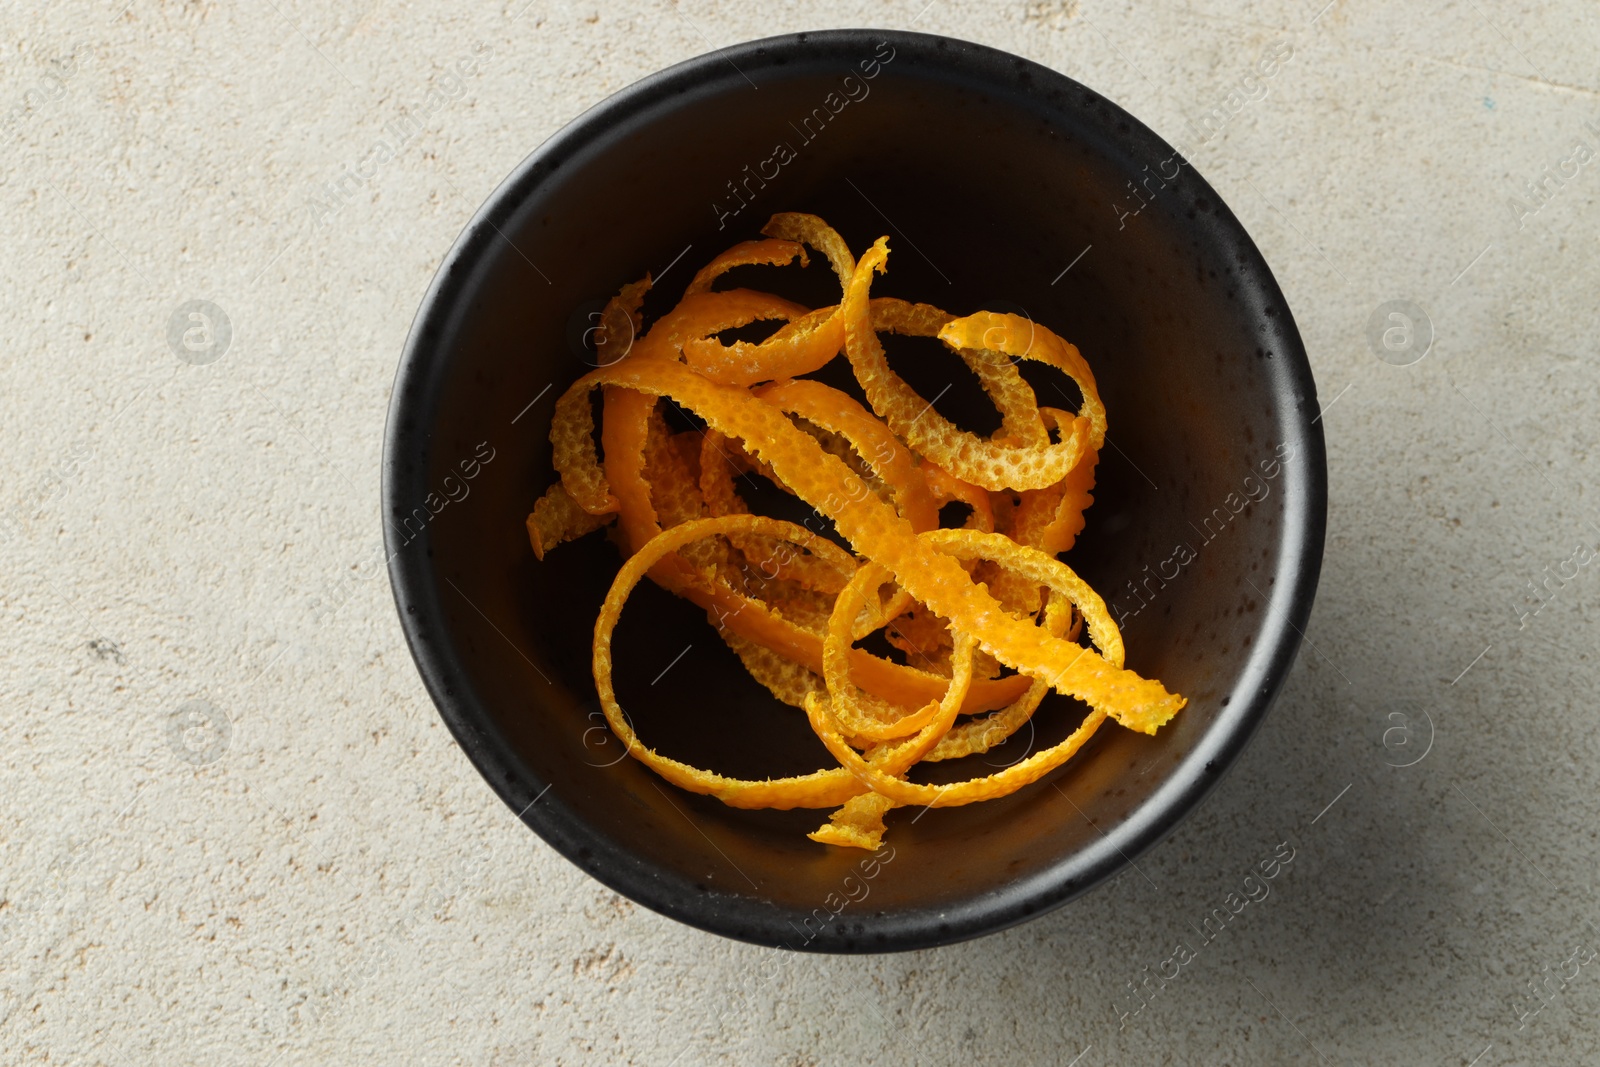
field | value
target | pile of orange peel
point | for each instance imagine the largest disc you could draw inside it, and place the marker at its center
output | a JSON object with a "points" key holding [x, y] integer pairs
{"points": [[960, 604]]}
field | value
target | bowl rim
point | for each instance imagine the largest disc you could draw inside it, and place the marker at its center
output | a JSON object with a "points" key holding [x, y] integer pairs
{"points": [[424, 621]]}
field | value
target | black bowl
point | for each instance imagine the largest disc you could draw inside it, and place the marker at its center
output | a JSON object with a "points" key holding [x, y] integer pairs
{"points": [[1001, 184]]}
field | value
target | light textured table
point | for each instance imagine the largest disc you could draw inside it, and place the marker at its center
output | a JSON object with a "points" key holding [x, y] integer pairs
{"points": [[318, 875]]}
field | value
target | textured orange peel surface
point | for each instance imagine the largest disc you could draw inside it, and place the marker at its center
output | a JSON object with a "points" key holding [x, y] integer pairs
{"points": [[987, 618]]}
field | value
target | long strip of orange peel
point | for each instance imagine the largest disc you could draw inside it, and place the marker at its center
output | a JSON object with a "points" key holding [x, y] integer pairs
{"points": [[824, 406], [893, 463], [877, 532], [981, 734]]}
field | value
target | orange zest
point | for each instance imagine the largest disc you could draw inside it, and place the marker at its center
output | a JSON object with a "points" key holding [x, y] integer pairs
{"points": [[961, 604]]}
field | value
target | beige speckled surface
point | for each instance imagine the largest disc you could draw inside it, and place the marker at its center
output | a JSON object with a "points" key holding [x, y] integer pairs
{"points": [[337, 885]]}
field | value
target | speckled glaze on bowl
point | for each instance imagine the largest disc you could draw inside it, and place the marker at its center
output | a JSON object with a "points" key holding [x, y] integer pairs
{"points": [[1001, 184]]}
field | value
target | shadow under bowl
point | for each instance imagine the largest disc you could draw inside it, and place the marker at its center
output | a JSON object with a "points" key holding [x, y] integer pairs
{"points": [[1002, 185]]}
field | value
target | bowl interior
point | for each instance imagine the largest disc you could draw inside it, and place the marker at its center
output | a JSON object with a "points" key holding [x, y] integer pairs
{"points": [[1001, 185]]}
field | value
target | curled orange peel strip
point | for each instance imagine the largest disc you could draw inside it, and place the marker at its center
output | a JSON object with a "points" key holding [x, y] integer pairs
{"points": [[625, 425], [744, 615], [997, 373], [990, 464], [1022, 338], [860, 714], [771, 252], [822, 788], [897, 789], [859, 824], [806, 343], [755, 621], [572, 425]]}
